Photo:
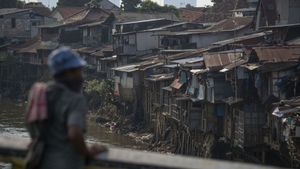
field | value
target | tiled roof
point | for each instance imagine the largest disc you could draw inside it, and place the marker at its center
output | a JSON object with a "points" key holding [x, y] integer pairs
{"points": [[33, 45], [43, 11], [88, 16], [191, 14], [231, 24], [137, 16], [66, 12]]}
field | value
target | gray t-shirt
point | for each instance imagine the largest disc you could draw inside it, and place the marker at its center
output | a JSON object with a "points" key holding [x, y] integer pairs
{"points": [[67, 108]]}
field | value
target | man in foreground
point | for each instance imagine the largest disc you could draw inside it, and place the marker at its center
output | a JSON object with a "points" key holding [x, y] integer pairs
{"points": [[58, 130]]}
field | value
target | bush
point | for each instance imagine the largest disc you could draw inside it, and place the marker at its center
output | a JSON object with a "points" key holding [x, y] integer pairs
{"points": [[99, 94]]}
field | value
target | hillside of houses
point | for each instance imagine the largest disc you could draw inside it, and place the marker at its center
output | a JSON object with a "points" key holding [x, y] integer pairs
{"points": [[225, 88]]}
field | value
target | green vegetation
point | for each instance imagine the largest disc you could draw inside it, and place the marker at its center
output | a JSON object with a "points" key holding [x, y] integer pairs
{"points": [[149, 6], [130, 5], [100, 96]]}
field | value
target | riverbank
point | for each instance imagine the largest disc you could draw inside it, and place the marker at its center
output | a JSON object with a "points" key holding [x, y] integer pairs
{"points": [[12, 124], [123, 125]]}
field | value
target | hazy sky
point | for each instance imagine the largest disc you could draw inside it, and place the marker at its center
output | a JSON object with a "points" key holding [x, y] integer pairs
{"points": [[52, 3]]}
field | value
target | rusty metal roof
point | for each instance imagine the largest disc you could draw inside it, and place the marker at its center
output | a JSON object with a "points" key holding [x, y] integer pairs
{"points": [[234, 65], [277, 66], [221, 59], [278, 53], [176, 84]]}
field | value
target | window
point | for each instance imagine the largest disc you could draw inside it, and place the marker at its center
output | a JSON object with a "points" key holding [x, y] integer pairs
{"points": [[13, 22], [129, 74]]}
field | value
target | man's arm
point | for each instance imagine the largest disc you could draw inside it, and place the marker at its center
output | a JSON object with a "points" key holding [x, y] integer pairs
{"points": [[76, 126], [76, 138]]}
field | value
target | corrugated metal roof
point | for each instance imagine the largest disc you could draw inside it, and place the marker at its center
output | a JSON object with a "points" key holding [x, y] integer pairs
{"points": [[278, 53], [168, 88], [281, 26], [112, 58], [176, 84], [218, 60], [232, 100], [251, 66], [160, 77], [138, 66], [226, 25], [171, 66], [7, 11], [295, 41], [279, 66], [93, 24], [87, 50], [234, 65], [127, 68], [188, 60], [242, 38], [199, 71], [244, 10]]}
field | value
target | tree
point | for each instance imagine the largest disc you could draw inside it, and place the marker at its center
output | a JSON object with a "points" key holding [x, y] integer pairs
{"points": [[130, 5], [149, 6], [98, 93], [11, 4], [72, 3]]}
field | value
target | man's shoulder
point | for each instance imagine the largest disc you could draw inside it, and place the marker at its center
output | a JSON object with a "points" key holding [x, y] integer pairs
{"points": [[65, 93]]}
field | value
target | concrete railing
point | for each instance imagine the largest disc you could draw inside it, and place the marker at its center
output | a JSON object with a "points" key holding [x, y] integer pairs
{"points": [[13, 150]]}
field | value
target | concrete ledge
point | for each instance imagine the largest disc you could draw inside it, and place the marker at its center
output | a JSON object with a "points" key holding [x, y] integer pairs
{"points": [[127, 158]]}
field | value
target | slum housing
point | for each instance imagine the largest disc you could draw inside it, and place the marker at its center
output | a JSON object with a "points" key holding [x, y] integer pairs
{"points": [[231, 86], [28, 35]]}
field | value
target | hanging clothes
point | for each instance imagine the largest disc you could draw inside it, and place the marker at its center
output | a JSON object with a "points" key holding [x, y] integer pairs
{"points": [[201, 94], [242, 74], [258, 81], [183, 77], [195, 82]]}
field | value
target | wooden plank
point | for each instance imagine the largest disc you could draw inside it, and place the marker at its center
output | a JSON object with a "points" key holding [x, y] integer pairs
{"points": [[128, 158]]}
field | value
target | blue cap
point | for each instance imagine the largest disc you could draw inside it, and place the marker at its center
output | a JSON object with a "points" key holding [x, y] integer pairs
{"points": [[64, 59]]}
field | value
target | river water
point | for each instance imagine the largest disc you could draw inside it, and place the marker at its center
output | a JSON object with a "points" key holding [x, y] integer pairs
{"points": [[12, 124]]}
